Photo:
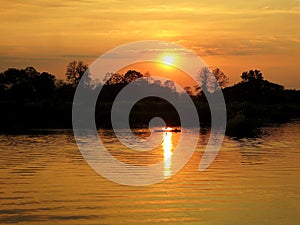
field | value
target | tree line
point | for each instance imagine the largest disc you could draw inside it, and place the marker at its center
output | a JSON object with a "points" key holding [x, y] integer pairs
{"points": [[33, 99]]}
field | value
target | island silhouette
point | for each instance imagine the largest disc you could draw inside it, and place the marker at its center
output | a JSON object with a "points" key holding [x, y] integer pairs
{"points": [[30, 99]]}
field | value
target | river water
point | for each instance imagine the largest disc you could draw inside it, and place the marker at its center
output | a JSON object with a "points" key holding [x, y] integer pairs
{"points": [[45, 180]]}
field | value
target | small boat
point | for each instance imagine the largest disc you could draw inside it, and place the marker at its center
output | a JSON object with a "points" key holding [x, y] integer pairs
{"points": [[170, 129]]}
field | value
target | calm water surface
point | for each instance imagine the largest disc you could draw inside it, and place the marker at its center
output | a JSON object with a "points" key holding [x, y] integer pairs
{"points": [[45, 180]]}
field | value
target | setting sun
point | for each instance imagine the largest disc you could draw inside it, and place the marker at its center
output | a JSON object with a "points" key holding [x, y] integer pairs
{"points": [[168, 60]]}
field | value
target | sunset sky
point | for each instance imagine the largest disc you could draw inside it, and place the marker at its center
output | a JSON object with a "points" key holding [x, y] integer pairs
{"points": [[232, 35]]}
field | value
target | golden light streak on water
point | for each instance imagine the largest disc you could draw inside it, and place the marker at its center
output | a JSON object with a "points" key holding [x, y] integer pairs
{"points": [[167, 146]]}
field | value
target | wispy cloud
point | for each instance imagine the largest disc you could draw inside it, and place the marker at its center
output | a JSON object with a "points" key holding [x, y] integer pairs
{"points": [[87, 28]]}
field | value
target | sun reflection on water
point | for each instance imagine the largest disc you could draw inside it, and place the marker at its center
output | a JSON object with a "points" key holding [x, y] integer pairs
{"points": [[167, 145]]}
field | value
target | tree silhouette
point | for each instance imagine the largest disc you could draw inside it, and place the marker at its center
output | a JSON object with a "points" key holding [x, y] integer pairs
{"points": [[44, 84], [222, 79], [170, 84], [132, 75], [75, 71], [188, 90], [210, 81], [252, 75], [27, 83], [29, 98], [16, 83], [116, 78], [254, 88], [31, 72], [113, 78]]}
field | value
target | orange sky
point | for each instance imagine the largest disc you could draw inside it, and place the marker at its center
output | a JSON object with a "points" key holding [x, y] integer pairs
{"points": [[232, 35], [168, 72]]}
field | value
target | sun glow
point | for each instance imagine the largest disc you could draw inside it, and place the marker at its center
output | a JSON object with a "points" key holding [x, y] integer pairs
{"points": [[168, 60]]}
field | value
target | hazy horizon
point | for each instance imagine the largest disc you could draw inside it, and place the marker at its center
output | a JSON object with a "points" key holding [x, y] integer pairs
{"points": [[234, 36]]}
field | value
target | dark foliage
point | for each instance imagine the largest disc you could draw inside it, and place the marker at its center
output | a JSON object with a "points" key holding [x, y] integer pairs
{"points": [[32, 99], [75, 71]]}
